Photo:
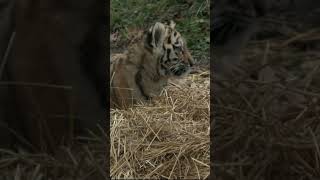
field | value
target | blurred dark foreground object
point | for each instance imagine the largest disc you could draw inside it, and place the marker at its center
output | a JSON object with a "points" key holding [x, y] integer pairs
{"points": [[264, 123], [53, 80], [236, 21]]}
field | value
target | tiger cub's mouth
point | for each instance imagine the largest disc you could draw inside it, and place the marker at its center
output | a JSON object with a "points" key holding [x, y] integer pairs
{"points": [[181, 70]]}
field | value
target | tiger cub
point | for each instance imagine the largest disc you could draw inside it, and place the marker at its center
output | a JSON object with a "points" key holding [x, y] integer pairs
{"points": [[142, 72]]}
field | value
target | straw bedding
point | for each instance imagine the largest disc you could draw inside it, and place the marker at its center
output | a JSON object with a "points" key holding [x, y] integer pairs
{"points": [[166, 138], [267, 122]]}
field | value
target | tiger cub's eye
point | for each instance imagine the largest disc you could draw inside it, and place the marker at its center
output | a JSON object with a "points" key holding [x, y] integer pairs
{"points": [[177, 48]]}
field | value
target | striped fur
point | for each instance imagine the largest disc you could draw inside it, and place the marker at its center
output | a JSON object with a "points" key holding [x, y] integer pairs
{"points": [[142, 72]]}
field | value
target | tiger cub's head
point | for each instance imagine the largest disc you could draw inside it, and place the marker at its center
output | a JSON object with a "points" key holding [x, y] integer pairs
{"points": [[170, 49]]}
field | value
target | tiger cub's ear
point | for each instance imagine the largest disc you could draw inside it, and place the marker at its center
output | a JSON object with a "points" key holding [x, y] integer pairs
{"points": [[172, 25], [156, 35]]}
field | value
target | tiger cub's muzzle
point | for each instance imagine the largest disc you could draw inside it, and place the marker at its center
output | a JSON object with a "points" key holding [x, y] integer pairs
{"points": [[185, 65]]}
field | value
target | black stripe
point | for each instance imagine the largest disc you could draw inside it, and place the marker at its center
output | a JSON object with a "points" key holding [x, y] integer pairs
{"points": [[177, 50], [162, 66], [158, 64], [168, 54], [138, 79], [165, 51], [161, 59]]}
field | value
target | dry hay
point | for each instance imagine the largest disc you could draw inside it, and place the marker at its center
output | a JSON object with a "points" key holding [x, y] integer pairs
{"points": [[168, 138], [85, 160], [268, 124]]}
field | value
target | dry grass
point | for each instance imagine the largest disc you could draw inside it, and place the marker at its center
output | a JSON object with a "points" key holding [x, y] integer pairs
{"points": [[166, 139], [83, 161], [267, 123]]}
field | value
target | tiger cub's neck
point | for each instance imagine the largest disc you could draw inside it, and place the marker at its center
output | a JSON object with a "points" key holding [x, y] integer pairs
{"points": [[148, 78]]}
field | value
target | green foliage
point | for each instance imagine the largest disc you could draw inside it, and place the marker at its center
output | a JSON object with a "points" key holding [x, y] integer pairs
{"points": [[192, 18]]}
